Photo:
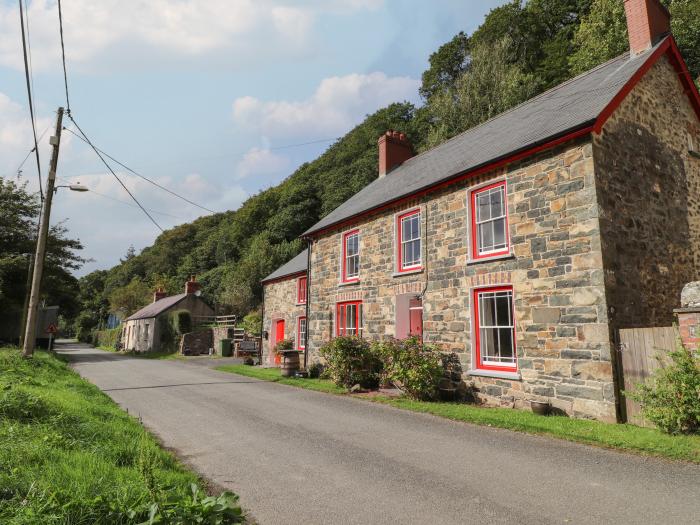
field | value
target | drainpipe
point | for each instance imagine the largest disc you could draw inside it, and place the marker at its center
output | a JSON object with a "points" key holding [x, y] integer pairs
{"points": [[262, 327], [308, 300], [425, 251]]}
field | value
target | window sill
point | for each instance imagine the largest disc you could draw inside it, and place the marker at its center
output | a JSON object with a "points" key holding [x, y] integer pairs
{"points": [[349, 283], [503, 257], [299, 304], [515, 376], [413, 271]]}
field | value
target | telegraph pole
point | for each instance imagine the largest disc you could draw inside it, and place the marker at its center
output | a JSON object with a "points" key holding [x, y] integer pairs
{"points": [[30, 329]]}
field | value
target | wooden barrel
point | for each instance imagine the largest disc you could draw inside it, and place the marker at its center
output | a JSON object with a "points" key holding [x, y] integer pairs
{"points": [[290, 363]]}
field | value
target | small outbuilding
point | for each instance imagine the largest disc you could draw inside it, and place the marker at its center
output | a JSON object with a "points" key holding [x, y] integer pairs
{"points": [[142, 330]]}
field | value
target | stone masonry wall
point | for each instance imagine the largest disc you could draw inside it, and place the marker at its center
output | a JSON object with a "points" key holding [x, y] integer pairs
{"points": [[556, 271], [649, 195], [280, 303]]}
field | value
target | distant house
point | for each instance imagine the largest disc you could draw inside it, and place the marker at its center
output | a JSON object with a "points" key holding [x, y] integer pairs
{"points": [[525, 243], [142, 331], [284, 307]]}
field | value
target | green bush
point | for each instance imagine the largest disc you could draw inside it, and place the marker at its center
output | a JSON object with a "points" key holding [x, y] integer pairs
{"points": [[351, 360], [414, 367], [672, 400], [182, 322], [252, 323], [106, 338]]}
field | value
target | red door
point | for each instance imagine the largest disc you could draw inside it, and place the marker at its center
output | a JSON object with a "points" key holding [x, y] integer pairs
{"points": [[415, 318], [279, 336]]}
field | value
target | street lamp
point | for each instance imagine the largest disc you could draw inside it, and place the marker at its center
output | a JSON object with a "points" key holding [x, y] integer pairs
{"points": [[73, 187]]}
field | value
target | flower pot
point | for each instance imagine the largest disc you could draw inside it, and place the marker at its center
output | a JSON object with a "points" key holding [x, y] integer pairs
{"points": [[541, 408]]}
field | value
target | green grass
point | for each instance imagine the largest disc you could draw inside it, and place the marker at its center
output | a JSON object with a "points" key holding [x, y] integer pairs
{"points": [[621, 437], [69, 455], [273, 374]]}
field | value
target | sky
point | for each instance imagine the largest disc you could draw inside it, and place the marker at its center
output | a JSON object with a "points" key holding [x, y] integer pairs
{"points": [[214, 99]]}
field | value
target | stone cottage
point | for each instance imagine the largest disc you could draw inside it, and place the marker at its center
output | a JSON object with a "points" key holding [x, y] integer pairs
{"points": [[142, 331], [525, 243], [284, 307]]}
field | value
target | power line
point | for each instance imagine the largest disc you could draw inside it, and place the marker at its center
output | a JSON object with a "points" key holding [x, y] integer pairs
{"points": [[126, 202], [303, 144], [63, 55], [29, 95], [19, 168], [142, 176], [97, 152]]}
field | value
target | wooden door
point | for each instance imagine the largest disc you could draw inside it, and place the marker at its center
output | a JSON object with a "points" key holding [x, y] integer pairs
{"points": [[415, 318], [279, 336]]}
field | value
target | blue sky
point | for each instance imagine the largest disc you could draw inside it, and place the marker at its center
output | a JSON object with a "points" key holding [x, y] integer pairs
{"points": [[203, 96]]}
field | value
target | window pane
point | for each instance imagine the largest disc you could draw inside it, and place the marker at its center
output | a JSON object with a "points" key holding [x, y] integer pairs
{"points": [[502, 309], [487, 343], [496, 202], [485, 236], [499, 233], [483, 207], [505, 349], [487, 310], [415, 227]]}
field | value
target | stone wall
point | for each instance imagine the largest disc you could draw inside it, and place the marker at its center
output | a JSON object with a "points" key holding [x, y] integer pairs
{"points": [[556, 271], [649, 196], [280, 303], [196, 343]]}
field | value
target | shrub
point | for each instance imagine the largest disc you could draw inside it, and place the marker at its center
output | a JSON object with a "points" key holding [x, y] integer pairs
{"points": [[107, 338], [351, 361], [672, 400], [182, 321], [252, 323], [315, 370], [414, 367]]}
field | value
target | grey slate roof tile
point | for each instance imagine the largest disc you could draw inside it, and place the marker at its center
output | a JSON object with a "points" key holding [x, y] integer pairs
{"points": [[157, 307], [296, 265], [571, 105]]}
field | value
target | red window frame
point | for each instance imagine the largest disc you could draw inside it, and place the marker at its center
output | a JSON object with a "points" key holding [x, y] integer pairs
{"points": [[477, 330], [301, 290], [340, 316], [399, 248], [301, 343], [475, 237], [344, 270]]}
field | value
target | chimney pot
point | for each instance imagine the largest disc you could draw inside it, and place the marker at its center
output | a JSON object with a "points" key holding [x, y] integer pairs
{"points": [[159, 294], [192, 285], [647, 22], [394, 149]]}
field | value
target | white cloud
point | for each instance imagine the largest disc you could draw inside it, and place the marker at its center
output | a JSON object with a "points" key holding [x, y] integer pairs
{"points": [[260, 163], [337, 104], [151, 33]]}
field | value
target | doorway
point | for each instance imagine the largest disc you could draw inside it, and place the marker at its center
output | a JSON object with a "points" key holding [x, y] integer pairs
{"points": [[279, 336]]}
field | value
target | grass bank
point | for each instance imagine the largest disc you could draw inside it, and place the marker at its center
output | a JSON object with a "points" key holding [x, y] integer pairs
{"points": [[629, 438], [68, 454]]}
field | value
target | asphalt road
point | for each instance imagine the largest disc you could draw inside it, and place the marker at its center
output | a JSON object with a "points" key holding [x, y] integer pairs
{"points": [[301, 457]]}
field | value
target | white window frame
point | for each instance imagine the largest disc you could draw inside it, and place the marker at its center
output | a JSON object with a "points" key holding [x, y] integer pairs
{"points": [[344, 276], [473, 237], [301, 341], [400, 242]]}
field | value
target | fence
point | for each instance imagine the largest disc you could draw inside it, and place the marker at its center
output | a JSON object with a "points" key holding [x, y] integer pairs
{"points": [[639, 352], [220, 321]]}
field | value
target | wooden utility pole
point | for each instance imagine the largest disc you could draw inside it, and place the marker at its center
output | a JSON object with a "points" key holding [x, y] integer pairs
{"points": [[30, 328]]}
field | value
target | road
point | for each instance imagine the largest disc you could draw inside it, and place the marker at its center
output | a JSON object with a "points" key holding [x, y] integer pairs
{"points": [[296, 456]]}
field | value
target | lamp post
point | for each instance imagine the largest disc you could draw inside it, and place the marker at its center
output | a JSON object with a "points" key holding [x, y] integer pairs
{"points": [[30, 327]]}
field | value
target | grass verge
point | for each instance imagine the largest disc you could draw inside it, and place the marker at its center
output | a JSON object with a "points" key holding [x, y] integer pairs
{"points": [[68, 454], [621, 437], [143, 355]]}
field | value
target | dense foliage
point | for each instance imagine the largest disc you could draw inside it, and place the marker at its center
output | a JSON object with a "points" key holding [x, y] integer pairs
{"points": [[672, 399], [19, 214], [412, 366], [521, 49], [351, 361]]}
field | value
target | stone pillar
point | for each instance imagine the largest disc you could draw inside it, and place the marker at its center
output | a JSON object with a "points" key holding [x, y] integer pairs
{"points": [[689, 315]]}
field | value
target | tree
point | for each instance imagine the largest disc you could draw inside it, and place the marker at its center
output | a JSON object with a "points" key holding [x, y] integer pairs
{"points": [[130, 298], [447, 64], [489, 87]]}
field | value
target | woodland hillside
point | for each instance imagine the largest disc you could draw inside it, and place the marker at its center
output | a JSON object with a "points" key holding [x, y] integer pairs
{"points": [[520, 50]]}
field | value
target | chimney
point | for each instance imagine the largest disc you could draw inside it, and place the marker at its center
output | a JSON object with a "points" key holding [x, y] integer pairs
{"points": [[192, 285], [394, 149], [159, 294], [647, 22]]}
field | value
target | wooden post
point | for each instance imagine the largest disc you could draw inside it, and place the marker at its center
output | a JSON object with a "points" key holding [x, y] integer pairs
{"points": [[30, 329]]}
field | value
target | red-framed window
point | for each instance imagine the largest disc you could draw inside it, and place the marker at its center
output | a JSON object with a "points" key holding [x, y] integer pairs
{"points": [[348, 318], [301, 332], [408, 241], [350, 271], [301, 290], [490, 221], [494, 329]]}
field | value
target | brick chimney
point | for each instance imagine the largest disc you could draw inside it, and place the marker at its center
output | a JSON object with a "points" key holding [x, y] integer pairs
{"points": [[647, 22], [159, 294], [192, 285], [394, 149]]}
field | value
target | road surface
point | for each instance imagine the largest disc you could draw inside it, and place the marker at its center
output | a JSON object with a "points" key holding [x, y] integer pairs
{"points": [[301, 457]]}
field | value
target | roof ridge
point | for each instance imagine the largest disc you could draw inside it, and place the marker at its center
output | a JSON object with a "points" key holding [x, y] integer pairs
{"points": [[506, 112]]}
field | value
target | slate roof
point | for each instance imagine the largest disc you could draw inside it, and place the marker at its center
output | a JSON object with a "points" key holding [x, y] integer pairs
{"points": [[297, 265], [157, 307], [565, 108]]}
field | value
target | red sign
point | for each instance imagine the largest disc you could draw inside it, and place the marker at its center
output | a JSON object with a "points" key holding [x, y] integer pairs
{"points": [[52, 329]]}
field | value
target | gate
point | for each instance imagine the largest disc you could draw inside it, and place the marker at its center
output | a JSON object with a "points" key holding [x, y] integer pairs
{"points": [[640, 350]]}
